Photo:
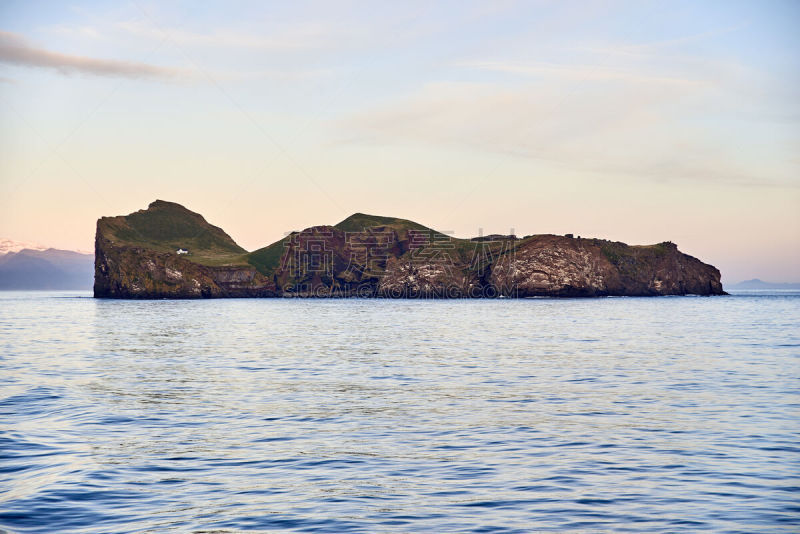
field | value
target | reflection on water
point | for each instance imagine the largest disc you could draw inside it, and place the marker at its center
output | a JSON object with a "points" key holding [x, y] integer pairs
{"points": [[370, 415]]}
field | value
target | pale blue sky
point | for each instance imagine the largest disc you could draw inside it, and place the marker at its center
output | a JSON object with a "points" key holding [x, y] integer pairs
{"points": [[634, 121]]}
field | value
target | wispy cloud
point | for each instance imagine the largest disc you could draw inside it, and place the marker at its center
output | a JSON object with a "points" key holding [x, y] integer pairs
{"points": [[653, 48], [627, 129], [16, 50], [301, 37], [575, 72]]}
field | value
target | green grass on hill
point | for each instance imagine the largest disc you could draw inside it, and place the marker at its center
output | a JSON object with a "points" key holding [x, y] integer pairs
{"points": [[166, 227], [267, 259], [361, 221]]}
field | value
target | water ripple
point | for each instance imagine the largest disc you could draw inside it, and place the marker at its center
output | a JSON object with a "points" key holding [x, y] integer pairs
{"points": [[624, 415]]}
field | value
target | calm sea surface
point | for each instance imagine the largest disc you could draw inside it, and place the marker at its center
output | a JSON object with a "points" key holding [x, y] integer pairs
{"points": [[618, 414]]}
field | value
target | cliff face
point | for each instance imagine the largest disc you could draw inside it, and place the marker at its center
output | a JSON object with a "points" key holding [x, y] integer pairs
{"points": [[136, 256], [551, 265]]}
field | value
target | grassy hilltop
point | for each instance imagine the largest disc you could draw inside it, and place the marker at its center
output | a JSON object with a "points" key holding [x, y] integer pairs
{"points": [[167, 226]]}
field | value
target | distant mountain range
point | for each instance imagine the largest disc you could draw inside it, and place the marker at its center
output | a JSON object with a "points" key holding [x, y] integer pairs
{"points": [[8, 245], [25, 266], [755, 283]]}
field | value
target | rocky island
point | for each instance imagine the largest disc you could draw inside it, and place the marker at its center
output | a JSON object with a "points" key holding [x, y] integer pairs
{"points": [[168, 251]]}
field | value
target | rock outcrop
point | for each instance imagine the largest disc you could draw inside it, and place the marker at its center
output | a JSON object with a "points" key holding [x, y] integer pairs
{"points": [[168, 251], [549, 265]]}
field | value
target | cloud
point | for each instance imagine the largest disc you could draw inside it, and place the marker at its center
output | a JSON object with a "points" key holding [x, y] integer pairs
{"points": [[300, 37], [650, 49], [576, 72], [16, 50], [653, 131]]}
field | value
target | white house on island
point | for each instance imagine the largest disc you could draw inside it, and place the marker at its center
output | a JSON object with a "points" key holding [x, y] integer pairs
{"points": [[181, 251]]}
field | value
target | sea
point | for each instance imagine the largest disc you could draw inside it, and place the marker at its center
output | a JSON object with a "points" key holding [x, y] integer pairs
{"points": [[667, 414]]}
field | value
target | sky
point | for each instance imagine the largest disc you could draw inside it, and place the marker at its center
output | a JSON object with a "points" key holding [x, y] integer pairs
{"points": [[634, 121]]}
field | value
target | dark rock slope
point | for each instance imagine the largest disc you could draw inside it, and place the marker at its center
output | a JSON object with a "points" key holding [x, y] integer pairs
{"points": [[136, 256]]}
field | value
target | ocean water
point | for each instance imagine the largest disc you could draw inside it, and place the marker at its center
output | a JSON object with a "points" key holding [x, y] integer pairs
{"points": [[621, 414]]}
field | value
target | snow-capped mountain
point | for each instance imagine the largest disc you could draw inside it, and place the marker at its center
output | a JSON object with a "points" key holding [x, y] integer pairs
{"points": [[9, 245], [31, 266]]}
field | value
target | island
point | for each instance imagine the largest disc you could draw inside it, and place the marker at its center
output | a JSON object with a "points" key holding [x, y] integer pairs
{"points": [[168, 251]]}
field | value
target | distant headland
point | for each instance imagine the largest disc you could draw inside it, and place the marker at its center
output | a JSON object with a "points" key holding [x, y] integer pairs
{"points": [[758, 284], [168, 251]]}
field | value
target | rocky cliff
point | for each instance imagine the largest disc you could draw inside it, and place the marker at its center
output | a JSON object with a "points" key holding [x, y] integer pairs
{"points": [[167, 251]]}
